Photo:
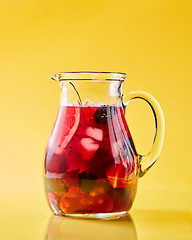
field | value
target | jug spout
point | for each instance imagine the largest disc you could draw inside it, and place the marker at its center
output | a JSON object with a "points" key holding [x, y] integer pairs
{"points": [[56, 77]]}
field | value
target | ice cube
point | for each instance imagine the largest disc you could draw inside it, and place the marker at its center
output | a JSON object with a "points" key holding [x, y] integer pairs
{"points": [[88, 148], [100, 104], [76, 103], [95, 133], [88, 103]]}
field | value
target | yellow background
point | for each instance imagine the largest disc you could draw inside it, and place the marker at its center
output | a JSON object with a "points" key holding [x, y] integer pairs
{"points": [[150, 40]]}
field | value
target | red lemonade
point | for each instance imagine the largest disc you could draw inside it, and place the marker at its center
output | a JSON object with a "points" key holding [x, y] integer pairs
{"points": [[91, 162]]}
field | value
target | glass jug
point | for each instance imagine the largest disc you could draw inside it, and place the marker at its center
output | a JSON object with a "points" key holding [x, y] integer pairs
{"points": [[91, 164]]}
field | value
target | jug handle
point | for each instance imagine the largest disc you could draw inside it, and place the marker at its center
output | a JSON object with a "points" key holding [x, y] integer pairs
{"points": [[147, 161]]}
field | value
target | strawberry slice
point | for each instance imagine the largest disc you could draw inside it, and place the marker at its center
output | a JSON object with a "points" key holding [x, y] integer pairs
{"points": [[73, 201], [101, 203], [76, 201]]}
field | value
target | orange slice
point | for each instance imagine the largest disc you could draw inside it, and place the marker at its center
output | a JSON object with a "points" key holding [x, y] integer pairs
{"points": [[120, 176]]}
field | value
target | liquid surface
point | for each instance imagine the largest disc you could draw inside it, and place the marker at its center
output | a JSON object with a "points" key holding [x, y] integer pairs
{"points": [[91, 162]]}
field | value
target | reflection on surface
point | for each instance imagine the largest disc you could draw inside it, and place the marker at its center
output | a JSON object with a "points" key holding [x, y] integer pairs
{"points": [[73, 229], [161, 224], [150, 225]]}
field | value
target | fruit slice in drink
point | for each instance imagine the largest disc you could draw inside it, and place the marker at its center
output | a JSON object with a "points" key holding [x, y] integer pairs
{"points": [[120, 176], [79, 202], [65, 127]]}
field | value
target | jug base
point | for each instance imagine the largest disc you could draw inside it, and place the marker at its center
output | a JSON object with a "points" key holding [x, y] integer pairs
{"points": [[102, 216]]}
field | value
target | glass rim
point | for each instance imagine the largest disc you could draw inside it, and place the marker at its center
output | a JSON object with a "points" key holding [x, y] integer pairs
{"points": [[89, 75]]}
